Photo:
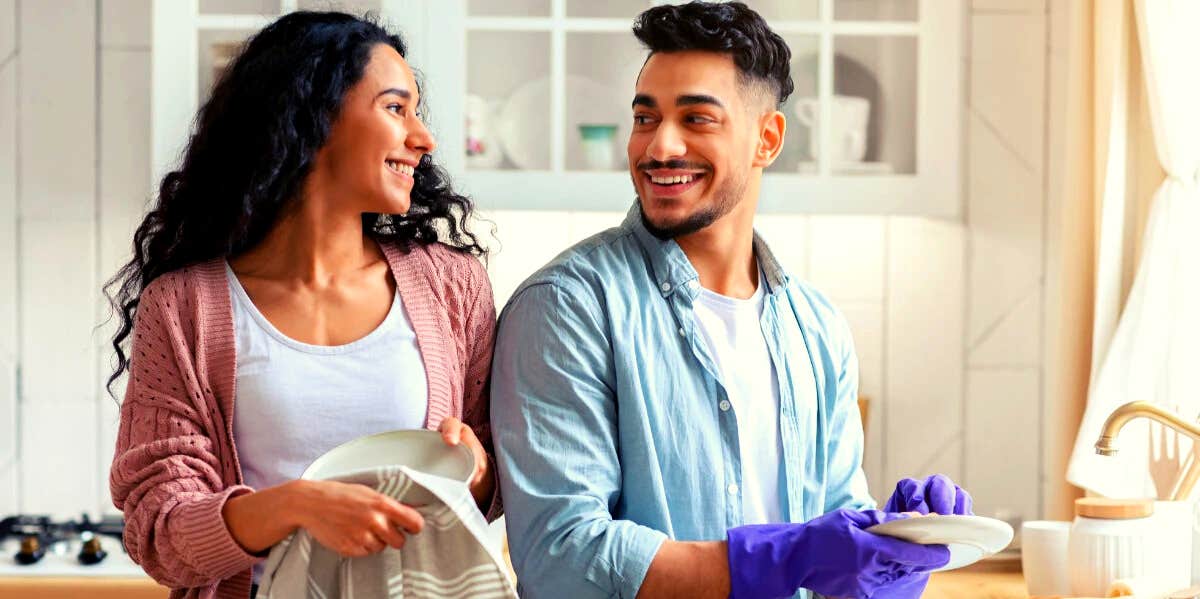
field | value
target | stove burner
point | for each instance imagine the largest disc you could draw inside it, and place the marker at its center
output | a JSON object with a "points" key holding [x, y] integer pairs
{"points": [[31, 550], [91, 553], [38, 533]]}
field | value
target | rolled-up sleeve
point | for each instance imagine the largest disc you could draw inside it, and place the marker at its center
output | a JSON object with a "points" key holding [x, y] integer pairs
{"points": [[554, 424]]}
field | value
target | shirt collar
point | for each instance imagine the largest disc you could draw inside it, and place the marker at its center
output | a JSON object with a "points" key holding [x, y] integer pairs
{"points": [[671, 267]]}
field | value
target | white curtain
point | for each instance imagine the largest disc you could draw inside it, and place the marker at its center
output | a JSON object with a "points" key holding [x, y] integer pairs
{"points": [[1154, 352]]}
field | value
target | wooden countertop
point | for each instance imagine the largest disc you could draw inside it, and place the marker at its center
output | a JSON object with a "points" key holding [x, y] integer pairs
{"points": [[976, 585]]}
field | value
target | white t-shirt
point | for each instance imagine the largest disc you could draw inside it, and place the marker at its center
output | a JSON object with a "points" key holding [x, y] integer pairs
{"points": [[295, 401], [730, 327]]}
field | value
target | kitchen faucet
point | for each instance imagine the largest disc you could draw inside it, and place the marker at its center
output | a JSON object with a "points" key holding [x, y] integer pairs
{"points": [[1106, 444]]}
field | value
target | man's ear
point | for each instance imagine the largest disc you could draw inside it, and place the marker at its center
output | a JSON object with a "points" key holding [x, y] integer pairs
{"points": [[771, 128]]}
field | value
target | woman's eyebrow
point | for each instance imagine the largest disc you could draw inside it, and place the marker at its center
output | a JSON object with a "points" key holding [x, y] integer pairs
{"points": [[403, 93]]}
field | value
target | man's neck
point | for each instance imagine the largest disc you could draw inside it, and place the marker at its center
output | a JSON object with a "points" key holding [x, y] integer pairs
{"points": [[723, 252]]}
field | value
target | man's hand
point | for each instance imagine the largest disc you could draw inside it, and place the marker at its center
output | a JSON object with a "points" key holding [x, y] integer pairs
{"points": [[832, 554], [936, 494]]}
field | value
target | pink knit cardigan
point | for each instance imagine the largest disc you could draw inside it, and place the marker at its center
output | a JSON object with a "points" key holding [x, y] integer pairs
{"points": [[176, 464]]}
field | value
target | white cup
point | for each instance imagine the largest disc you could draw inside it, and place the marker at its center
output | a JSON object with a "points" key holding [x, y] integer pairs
{"points": [[1044, 556], [850, 115]]}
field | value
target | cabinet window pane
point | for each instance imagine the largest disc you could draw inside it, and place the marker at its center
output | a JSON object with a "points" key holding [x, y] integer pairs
{"points": [[797, 154], [508, 8], [874, 126], [354, 7], [602, 70], [786, 10], [875, 10], [508, 100], [218, 47], [239, 7], [610, 9]]}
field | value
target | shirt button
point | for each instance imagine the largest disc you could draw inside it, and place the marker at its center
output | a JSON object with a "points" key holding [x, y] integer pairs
{"points": [[682, 333], [733, 489], [692, 284], [665, 287], [724, 405]]}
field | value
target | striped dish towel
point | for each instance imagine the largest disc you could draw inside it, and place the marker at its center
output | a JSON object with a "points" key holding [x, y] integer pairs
{"points": [[449, 559]]}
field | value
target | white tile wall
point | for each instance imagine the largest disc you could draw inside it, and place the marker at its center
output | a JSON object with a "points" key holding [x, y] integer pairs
{"points": [[847, 256], [58, 111], [1016, 338], [1005, 217], [58, 476], [8, 257], [125, 23], [1008, 67], [8, 412], [1009, 6], [788, 236], [924, 332], [58, 287], [527, 240], [1002, 461], [9, 498], [8, 210], [124, 177], [8, 29]]}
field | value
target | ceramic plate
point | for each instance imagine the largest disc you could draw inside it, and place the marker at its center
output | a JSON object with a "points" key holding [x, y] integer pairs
{"points": [[418, 449], [523, 123], [969, 538]]}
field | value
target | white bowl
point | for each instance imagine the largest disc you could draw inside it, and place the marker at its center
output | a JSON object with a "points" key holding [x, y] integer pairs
{"points": [[421, 450]]}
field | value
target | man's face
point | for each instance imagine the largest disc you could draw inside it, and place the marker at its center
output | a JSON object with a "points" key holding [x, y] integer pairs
{"points": [[694, 141]]}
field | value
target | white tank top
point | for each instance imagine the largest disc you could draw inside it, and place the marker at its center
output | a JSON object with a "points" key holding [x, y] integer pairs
{"points": [[295, 401]]}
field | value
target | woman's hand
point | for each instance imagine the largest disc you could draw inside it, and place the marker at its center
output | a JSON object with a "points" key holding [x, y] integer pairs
{"points": [[454, 432], [354, 520]]}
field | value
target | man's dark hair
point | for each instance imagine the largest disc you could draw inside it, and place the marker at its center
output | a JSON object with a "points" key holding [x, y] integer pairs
{"points": [[732, 28]]}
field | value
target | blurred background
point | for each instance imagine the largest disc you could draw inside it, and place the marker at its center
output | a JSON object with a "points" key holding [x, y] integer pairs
{"points": [[968, 180]]}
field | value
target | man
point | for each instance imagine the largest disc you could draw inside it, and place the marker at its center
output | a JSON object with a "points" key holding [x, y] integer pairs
{"points": [[675, 416]]}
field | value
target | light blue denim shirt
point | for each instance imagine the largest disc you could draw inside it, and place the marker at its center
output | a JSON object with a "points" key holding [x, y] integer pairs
{"points": [[611, 423]]}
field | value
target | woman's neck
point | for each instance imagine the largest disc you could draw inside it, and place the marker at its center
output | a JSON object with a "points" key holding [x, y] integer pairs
{"points": [[312, 246]]}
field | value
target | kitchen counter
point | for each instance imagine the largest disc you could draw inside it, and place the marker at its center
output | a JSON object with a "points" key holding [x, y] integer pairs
{"points": [[943, 585], [976, 585]]}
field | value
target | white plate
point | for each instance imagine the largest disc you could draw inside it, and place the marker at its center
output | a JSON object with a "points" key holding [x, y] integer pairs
{"points": [[421, 450], [523, 123], [969, 538]]}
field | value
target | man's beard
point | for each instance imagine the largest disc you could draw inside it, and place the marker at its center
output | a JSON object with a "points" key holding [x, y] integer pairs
{"points": [[724, 199]]}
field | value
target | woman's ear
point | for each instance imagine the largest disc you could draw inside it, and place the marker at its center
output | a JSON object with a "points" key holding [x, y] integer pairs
{"points": [[771, 129]]}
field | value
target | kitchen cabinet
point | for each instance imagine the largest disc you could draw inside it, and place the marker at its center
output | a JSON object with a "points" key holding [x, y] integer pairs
{"points": [[511, 84]]}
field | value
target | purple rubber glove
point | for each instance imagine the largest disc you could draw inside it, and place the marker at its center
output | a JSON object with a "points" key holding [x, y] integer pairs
{"points": [[936, 494], [831, 554]]}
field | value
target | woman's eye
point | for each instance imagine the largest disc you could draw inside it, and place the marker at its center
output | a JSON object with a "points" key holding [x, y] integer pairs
{"points": [[395, 108]]}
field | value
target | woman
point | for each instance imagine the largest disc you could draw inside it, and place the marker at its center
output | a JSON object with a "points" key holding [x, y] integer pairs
{"points": [[305, 278]]}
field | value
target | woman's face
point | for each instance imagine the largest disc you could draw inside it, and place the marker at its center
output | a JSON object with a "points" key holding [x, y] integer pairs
{"points": [[376, 140]]}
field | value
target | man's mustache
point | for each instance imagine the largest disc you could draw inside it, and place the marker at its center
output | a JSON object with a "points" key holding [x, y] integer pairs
{"points": [[672, 164]]}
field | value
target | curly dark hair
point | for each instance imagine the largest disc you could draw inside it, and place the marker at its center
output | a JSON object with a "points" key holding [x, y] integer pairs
{"points": [[254, 144], [732, 28]]}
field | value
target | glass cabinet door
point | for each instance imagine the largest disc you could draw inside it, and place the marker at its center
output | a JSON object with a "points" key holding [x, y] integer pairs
{"points": [[549, 83]]}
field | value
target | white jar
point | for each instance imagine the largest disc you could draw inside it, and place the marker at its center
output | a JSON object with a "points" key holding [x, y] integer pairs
{"points": [[1110, 539]]}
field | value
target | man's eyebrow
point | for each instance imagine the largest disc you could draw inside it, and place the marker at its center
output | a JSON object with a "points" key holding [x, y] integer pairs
{"points": [[403, 93], [693, 99], [644, 100]]}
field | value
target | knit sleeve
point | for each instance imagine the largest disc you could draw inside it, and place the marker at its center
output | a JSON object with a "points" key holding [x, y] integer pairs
{"points": [[166, 474], [479, 335]]}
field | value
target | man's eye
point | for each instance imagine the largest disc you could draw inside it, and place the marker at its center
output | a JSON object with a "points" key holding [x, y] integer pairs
{"points": [[641, 119]]}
